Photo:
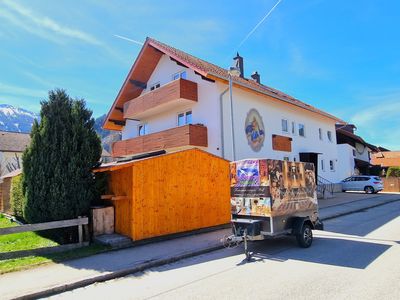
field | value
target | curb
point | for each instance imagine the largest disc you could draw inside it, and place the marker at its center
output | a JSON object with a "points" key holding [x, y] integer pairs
{"points": [[154, 263], [358, 210], [117, 274]]}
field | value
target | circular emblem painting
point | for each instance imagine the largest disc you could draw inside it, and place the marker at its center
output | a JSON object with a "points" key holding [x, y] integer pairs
{"points": [[254, 128]]}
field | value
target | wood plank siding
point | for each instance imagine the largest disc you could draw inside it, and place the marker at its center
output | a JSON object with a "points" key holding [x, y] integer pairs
{"points": [[177, 92], [172, 193], [188, 135]]}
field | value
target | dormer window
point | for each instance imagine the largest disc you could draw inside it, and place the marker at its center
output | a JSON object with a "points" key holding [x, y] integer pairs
{"points": [[154, 86], [178, 75]]}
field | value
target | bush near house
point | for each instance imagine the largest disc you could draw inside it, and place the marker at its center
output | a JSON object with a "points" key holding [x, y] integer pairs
{"points": [[17, 196], [57, 179], [393, 172]]}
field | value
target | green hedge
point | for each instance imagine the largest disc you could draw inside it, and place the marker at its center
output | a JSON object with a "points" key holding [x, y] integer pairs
{"points": [[17, 198], [393, 172]]}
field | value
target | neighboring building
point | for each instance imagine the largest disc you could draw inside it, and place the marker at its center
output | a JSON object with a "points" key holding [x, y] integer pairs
{"points": [[12, 145], [386, 159], [353, 151], [172, 101]]}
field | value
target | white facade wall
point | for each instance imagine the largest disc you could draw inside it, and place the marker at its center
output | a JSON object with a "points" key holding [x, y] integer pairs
{"points": [[346, 164], [207, 111], [362, 152]]}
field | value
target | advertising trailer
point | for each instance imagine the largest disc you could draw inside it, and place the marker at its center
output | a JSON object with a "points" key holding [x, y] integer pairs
{"points": [[273, 197]]}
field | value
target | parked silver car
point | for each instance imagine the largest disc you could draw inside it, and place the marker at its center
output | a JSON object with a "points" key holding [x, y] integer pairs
{"points": [[369, 184]]}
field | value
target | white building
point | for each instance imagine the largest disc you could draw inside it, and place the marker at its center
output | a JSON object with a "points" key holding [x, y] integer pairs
{"points": [[171, 100]]}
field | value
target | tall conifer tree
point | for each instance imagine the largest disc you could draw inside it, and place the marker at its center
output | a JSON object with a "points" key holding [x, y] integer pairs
{"points": [[58, 183]]}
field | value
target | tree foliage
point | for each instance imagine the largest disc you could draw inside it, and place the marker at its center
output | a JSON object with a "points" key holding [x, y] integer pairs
{"points": [[393, 171], [58, 183], [17, 198]]}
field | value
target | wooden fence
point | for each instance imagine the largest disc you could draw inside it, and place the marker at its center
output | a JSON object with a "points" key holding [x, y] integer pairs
{"points": [[391, 184], [80, 222]]}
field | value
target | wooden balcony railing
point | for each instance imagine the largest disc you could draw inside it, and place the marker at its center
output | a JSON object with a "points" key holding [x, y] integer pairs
{"points": [[183, 136], [177, 93]]}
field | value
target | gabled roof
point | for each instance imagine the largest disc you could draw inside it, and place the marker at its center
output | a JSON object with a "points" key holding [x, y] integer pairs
{"points": [[150, 55], [14, 141]]}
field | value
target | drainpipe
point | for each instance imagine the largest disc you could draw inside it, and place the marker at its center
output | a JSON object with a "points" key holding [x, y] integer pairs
{"points": [[221, 97]]}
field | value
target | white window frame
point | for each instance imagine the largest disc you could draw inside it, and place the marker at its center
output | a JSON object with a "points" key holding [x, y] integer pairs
{"points": [[323, 165], [286, 158], [320, 134], [185, 113], [304, 129], [179, 74], [330, 138], [287, 125], [146, 129], [154, 86]]}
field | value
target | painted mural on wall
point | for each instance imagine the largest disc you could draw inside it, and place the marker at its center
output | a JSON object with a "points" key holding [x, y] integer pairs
{"points": [[255, 131], [266, 187]]}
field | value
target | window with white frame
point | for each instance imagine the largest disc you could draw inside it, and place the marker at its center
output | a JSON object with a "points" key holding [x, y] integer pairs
{"points": [[154, 86], [286, 158], [284, 123], [354, 152], [142, 129], [332, 165], [329, 134], [302, 130], [293, 128], [178, 75], [322, 165], [320, 133], [185, 118]]}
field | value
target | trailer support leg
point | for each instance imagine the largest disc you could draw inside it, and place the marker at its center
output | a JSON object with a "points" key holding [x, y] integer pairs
{"points": [[246, 249]]}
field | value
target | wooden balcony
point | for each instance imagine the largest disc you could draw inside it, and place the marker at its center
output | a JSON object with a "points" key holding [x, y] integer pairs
{"points": [[183, 136], [180, 92]]}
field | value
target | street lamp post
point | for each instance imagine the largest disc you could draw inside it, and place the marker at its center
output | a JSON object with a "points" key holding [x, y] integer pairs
{"points": [[233, 71]]}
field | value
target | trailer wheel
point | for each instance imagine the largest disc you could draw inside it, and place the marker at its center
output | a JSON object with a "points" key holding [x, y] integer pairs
{"points": [[305, 236]]}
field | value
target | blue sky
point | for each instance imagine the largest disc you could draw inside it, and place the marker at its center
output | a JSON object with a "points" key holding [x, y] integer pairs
{"points": [[341, 56]]}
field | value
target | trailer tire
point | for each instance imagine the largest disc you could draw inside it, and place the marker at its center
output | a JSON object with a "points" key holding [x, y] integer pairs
{"points": [[305, 237]]}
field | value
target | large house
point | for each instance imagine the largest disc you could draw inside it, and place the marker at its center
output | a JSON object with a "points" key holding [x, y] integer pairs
{"points": [[172, 101]]}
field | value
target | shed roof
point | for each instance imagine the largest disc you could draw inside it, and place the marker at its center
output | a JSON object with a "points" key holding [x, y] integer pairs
{"points": [[12, 174], [14, 141]]}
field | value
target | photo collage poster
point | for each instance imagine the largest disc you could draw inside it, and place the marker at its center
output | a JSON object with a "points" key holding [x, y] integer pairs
{"points": [[261, 187]]}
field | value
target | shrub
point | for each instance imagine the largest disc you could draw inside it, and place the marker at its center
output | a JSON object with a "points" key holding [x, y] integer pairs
{"points": [[17, 198], [393, 172], [57, 180]]}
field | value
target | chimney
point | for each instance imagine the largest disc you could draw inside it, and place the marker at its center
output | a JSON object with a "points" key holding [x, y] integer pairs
{"points": [[256, 77], [239, 64]]}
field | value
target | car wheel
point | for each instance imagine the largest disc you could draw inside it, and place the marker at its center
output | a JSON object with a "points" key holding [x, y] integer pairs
{"points": [[369, 190], [305, 237], [343, 191]]}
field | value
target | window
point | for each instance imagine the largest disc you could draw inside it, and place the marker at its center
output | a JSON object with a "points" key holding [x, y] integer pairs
{"points": [[185, 118], [284, 125], [329, 134], [320, 133], [332, 165], [354, 152], [286, 158], [142, 129], [178, 75], [302, 130], [293, 128], [154, 86], [322, 165]]}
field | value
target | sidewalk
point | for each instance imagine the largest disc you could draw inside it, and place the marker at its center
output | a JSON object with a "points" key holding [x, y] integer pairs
{"points": [[54, 278]]}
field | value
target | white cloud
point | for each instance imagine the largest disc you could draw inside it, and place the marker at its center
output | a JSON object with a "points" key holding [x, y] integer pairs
{"points": [[45, 23], [8, 89]]}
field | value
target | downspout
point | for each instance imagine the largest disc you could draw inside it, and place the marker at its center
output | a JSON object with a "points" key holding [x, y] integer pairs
{"points": [[222, 121]]}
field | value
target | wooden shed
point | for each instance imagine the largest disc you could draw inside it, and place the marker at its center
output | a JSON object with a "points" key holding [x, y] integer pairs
{"points": [[168, 194], [5, 189]]}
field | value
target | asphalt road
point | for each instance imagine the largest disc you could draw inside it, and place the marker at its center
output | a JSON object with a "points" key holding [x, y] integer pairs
{"points": [[356, 257]]}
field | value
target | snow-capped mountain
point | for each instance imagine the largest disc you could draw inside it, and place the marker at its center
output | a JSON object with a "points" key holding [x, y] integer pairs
{"points": [[16, 119]]}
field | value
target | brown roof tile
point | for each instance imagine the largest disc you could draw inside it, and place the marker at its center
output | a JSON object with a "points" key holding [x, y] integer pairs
{"points": [[208, 70], [14, 141]]}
